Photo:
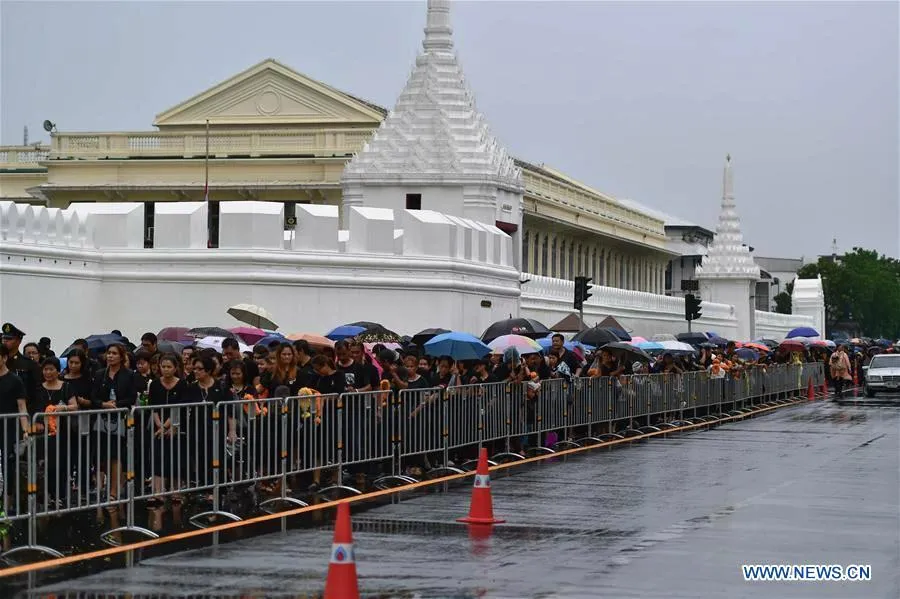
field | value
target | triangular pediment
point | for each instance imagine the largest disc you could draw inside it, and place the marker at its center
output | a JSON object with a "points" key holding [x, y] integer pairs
{"points": [[270, 93]]}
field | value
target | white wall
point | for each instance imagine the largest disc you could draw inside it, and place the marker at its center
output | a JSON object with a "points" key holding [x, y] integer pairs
{"points": [[550, 300], [431, 272]]}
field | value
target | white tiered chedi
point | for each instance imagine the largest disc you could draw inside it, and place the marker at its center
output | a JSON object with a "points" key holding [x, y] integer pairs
{"points": [[728, 273], [435, 146]]}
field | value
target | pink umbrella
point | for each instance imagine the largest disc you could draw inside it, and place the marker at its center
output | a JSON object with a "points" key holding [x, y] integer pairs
{"points": [[636, 340], [250, 335], [176, 334]]}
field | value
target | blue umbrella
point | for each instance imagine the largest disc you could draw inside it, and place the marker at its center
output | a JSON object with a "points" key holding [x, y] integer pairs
{"points": [[459, 346], [745, 353], [344, 332], [547, 343], [622, 335], [270, 338], [718, 341], [802, 332], [651, 346]]}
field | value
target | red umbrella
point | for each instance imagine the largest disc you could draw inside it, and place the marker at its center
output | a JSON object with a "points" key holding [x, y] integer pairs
{"points": [[250, 335], [177, 334], [792, 345]]}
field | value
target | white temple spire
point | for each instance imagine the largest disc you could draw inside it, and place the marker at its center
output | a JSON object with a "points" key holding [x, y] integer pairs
{"points": [[438, 33], [727, 256]]}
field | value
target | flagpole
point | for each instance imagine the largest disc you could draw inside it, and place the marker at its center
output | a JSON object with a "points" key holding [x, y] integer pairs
{"points": [[206, 166]]}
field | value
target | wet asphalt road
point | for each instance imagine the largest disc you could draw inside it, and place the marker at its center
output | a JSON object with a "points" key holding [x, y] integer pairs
{"points": [[668, 517]]}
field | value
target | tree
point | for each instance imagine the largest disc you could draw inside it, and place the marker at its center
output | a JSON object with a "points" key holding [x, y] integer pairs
{"points": [[783, 301], [863, 286]]}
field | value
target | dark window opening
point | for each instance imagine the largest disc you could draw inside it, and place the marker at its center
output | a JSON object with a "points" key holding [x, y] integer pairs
{"points": [[414, 201], [149, 214], [213, 224], [290, 215]]}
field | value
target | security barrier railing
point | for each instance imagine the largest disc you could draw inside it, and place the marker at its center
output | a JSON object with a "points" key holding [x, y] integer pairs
{"points": [[114, 458]]}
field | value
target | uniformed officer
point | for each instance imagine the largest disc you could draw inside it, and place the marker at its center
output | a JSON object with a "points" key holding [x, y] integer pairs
{"points": [[27, 370]]}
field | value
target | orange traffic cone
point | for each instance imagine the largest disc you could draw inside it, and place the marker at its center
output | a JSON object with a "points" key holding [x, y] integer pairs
{"points": [[481, 510], [810, 391], [341, 582]]}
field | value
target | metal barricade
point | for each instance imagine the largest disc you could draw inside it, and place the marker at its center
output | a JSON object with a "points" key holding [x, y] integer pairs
{"points": [[14, 465], [365, 424], [173, 448], [252, 441], [549, 410], [421, 426], [464, 412], [80, 459]]}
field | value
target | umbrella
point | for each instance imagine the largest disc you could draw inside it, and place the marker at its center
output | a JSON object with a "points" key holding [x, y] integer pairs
{"points": [[596, 336], [101, 342], [387, 345], [170, 347], [525, 327], [253, 315], [459, 346], [664, 337], [620, 333], [523, 344], [344, 332], [547, 342], [250, 335], [649, 346], [760, 347], [173, 334], [268, 339], [365, 324], [792, 345], [635, 340], [626, 351], [200, 332], [802, 332], [315, 341], [747, 354], [422, 337], [678, 347], [694, 338], [718, 341], [380, 335], [215, 342], [770, 343]]}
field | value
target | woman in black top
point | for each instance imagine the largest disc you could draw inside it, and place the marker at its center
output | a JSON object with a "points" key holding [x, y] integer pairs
{"points": [[161, 425], [115, 387], [197, 421], [79, 384], [53, 397]]}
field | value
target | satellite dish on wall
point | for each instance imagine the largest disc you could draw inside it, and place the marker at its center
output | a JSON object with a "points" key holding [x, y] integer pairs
{"points": [[49, 126]]}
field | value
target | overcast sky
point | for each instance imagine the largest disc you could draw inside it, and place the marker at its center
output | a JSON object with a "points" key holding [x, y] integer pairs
{"points": [[640, 100]]}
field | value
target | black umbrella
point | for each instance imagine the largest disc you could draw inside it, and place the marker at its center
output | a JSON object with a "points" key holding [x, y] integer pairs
{"points": [[200, 332], [423, 337], [597, 336], [379, 335], [366, 325], [626, 351], [170, 347], [527, 327], [695, 338]]}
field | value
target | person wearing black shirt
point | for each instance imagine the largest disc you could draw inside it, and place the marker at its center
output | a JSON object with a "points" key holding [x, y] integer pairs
{"points": [[356, 376], [161, 423], [12, 401], [196, 425], [28, 371], [231, 351], [115, 387]]}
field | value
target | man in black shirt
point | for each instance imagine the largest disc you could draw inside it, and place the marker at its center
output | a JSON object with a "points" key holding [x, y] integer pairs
{"points": [[27, 370], [558, 348]]}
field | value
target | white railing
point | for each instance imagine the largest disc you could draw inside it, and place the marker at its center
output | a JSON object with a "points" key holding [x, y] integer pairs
{"points": [[570, 195], [150, 144], [22, 156]]}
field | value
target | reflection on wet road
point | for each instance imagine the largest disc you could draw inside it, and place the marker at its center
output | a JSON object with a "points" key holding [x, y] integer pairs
{"points": [[669, 517]]}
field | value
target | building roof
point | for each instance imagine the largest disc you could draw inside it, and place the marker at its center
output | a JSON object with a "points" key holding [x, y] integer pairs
{"points": [[669, 219], [435, 133]]}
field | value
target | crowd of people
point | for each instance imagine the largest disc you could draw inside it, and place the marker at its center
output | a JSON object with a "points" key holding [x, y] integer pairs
{"points": [[33, 380]]}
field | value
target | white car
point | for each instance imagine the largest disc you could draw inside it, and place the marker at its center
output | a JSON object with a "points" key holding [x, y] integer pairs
{"points": [[883, 374]]}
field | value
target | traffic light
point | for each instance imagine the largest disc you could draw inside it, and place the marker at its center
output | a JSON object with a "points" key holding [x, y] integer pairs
{"points": [[582, 291], [692, 306]]}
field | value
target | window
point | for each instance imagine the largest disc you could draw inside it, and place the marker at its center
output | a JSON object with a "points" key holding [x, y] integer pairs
{"points": [[213, 224], [414, 201], [544, 271], [149, 215], [525, 261]]}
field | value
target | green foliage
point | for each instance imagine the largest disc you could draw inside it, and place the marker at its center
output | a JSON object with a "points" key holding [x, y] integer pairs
{"points": [[783, 302], [863, 286]]}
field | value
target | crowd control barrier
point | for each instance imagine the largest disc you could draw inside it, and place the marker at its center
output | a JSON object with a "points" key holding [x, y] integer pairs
{"points": [[281, 449]]}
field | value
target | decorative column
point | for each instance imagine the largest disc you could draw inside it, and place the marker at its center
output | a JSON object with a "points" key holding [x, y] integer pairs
{"points": [[728, 273]]}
